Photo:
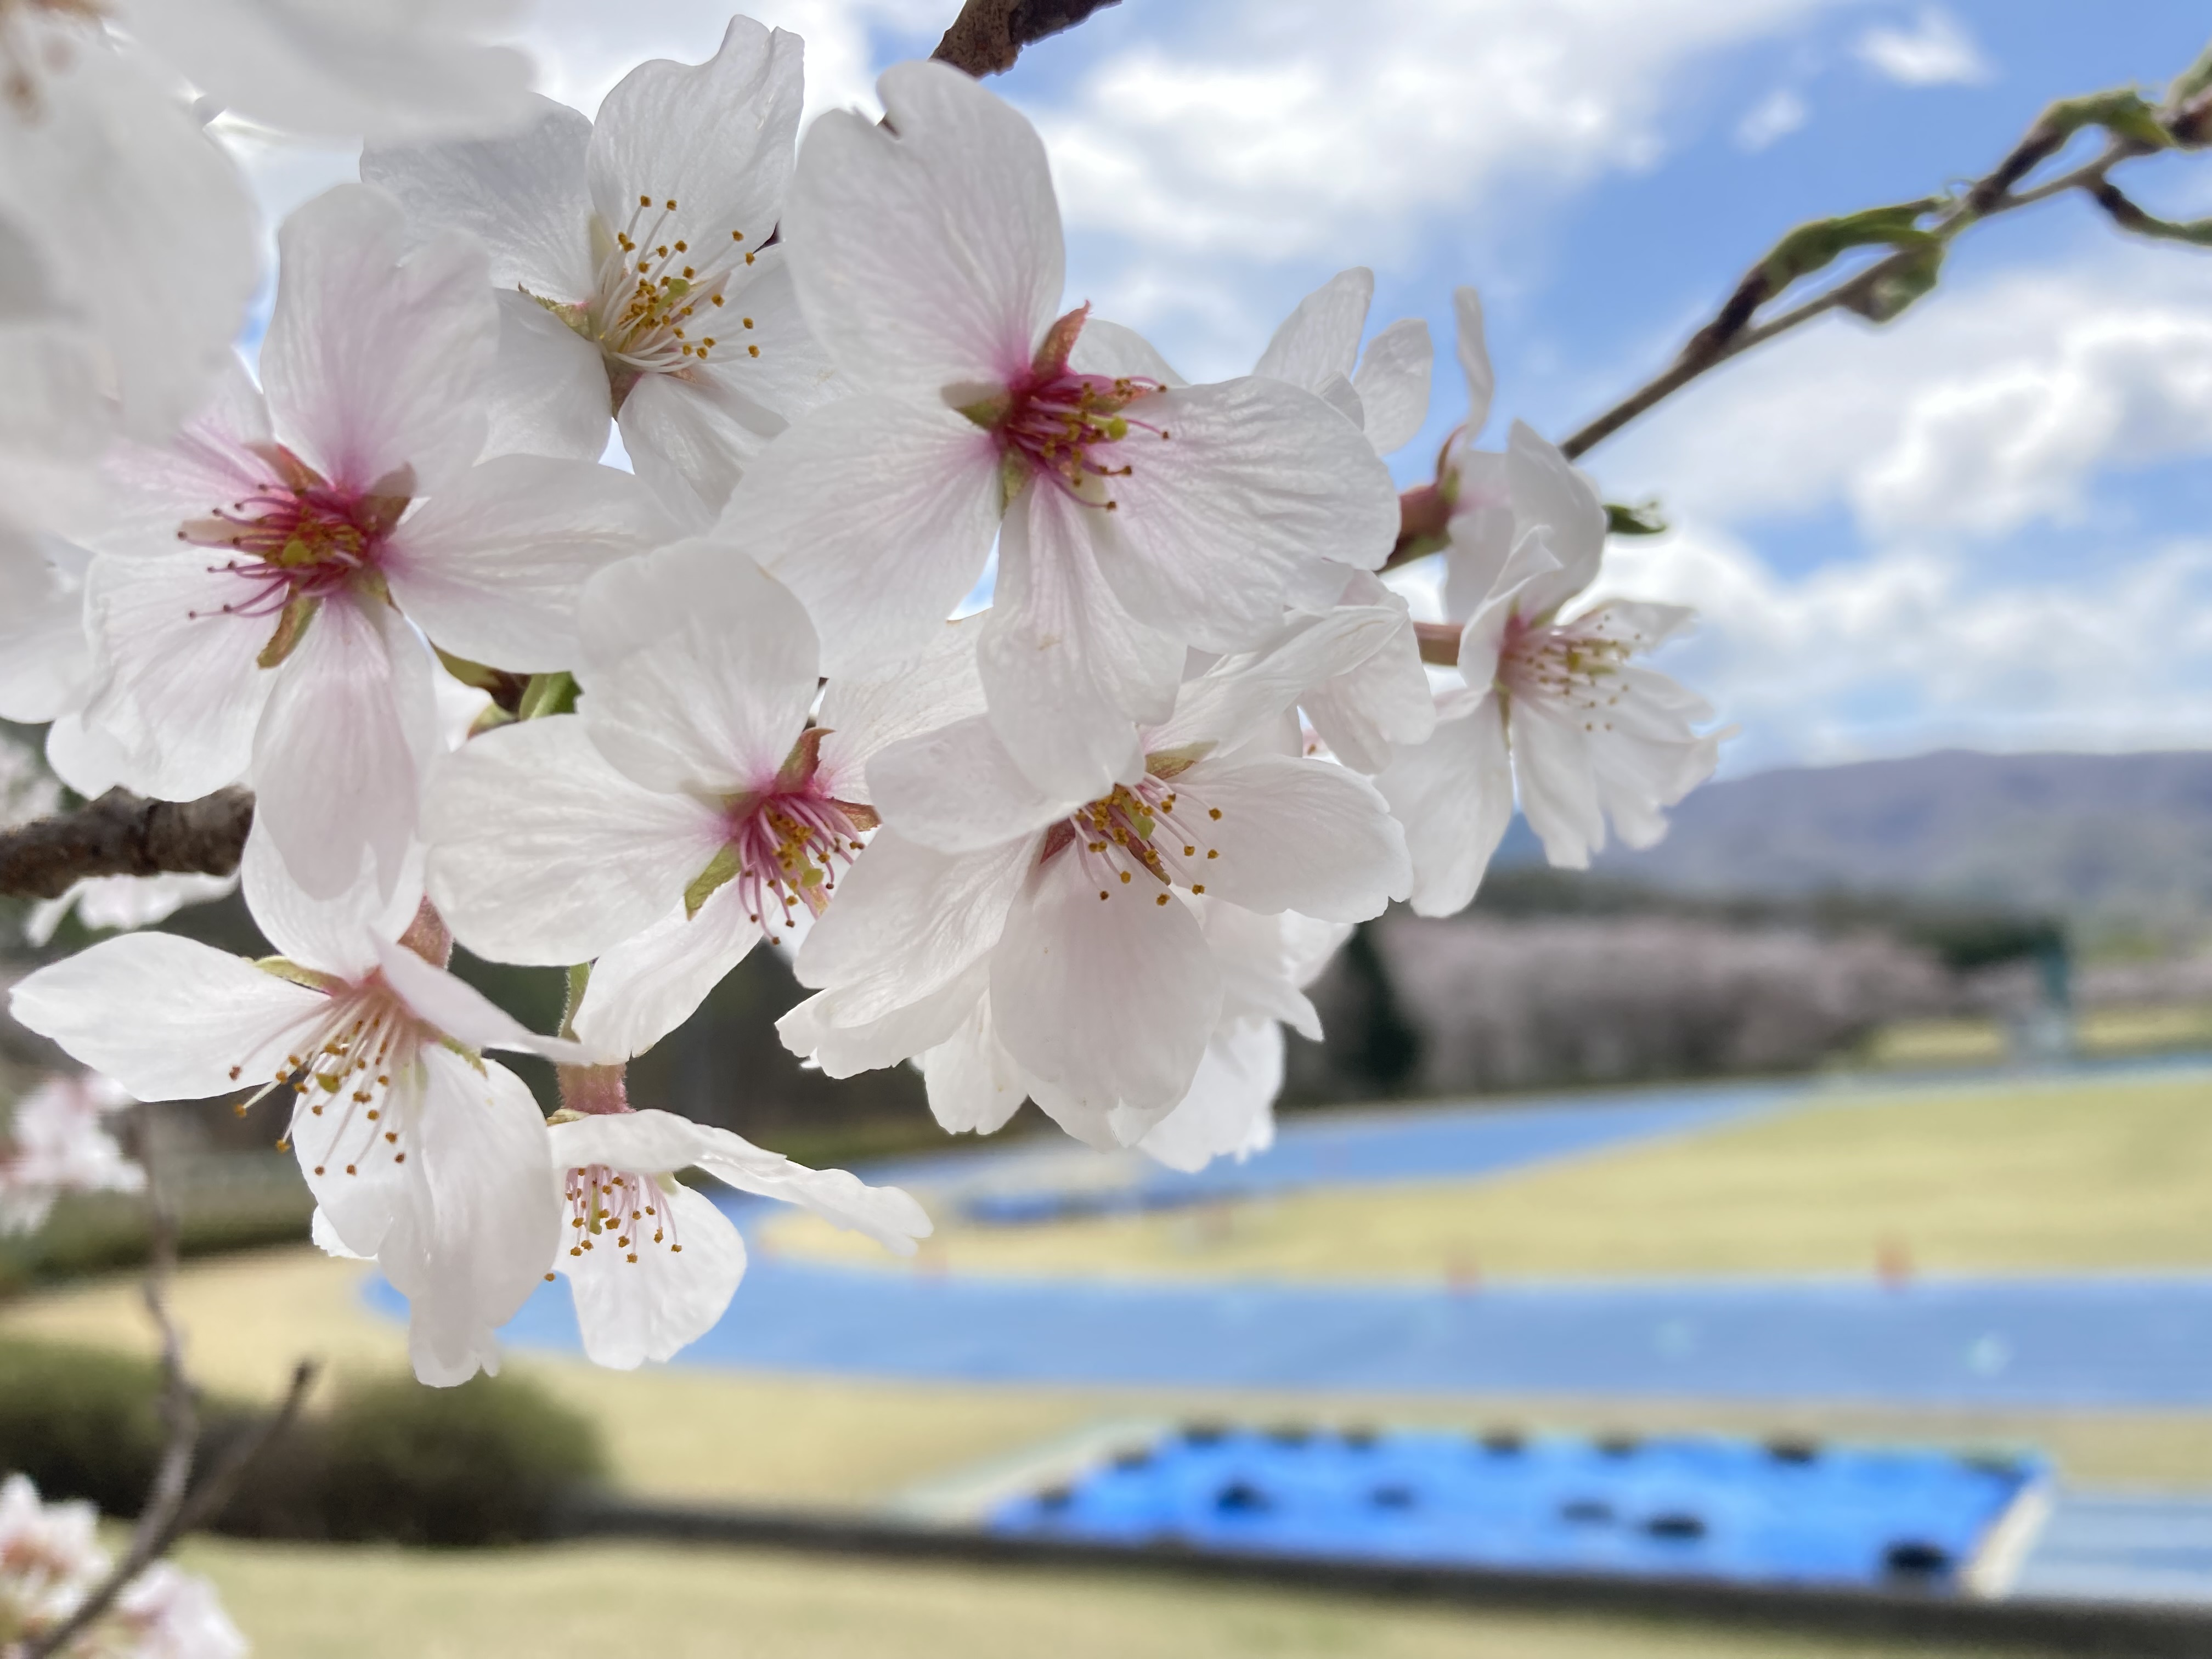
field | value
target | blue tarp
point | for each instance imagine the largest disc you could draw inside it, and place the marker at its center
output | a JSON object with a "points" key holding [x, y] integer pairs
{"points": [[1681, 1506]]}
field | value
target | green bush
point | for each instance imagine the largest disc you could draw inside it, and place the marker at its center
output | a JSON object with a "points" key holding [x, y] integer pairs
{"points": [[487, 1462], [81, 1422]]}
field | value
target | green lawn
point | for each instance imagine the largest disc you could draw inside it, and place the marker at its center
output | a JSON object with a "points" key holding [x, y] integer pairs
{"points": [[585, 1601], [2026, 1177]]}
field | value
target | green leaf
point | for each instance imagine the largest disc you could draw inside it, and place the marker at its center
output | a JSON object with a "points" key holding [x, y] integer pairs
{"points": [[1622, 520], [2123, 112], [1896, 289], [1813, 248]]}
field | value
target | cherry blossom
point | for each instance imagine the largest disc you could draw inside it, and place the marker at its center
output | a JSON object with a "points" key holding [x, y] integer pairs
{"points": [[687, 807], [1134, 518], [1368, 710], [1552, 703], [653, 1263], [630, 262], [1077, 918], [127, 257], [246, 610], [50, 1560], [53, 1143], [380, 69], [1266, 963], [420, 1152]]}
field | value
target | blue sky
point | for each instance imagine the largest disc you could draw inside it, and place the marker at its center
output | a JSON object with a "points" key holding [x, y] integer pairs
{"points": [[1987, 525]]}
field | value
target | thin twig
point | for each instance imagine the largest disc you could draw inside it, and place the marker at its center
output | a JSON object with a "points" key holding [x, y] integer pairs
{"points": [[988, 35], [1732, 332], [174, 1506], [122, 835]]}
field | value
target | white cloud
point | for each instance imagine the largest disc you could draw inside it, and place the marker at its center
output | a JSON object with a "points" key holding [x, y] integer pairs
{"points": [[1989, 407], [1774, 116], [1937, 50], [2012, 404], [1908, 651], [1265, 133]]}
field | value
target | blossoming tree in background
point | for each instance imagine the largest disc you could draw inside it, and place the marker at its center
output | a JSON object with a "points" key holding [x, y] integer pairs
{"points": [[375, 620]]}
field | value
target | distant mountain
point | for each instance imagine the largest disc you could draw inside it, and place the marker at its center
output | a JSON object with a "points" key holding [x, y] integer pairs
{"points": [[2115, 841]]}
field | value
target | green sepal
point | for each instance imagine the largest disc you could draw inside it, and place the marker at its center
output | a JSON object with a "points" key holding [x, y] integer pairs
{"points": [[285, 968], [720, 870], [548, 694], [291, 628], [1622, 520]]}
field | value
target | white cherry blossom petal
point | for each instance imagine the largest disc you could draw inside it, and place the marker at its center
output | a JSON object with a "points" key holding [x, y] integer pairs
{"points": [[649, 1306], [492, 567], [975, 1087], [1321, 337], [1068, 672], [928, 248], [168, 1019], [522, 195], [1455, 796], [542, 852], [715, 139], [1292, 835], [646, 987], [181, 690], [473, 1245], [547, 391], [350, 723], [1110, 1001], [958, 789], [381, 67], [376, 356], [933, 502], [907, 920], [1393, 383], [112, 174], [1256, 500], [698, 668], [1473, 358], [1228, 1111]]}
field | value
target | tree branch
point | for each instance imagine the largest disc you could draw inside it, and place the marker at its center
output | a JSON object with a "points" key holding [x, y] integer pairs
{"points": [[989, 34], [1733, 332], [121, 834], [174, 1507]]}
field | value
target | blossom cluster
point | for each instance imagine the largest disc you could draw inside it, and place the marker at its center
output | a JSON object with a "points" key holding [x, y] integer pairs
{"points": [[1085, 845], [50, 1560]]}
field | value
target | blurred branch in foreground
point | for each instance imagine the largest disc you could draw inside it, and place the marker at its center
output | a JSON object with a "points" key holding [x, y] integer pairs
{"points": [[174, 1506], [988, 35]]}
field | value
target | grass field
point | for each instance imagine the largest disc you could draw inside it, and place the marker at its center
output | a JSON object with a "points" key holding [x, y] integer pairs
{"points": [[2105, 1175], [1914, 1043], [586, 1601]]}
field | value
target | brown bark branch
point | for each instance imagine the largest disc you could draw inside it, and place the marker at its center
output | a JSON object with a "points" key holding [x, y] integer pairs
{"points": [[121, 834], [1732, 332], [988, 35], [174, 1506]]}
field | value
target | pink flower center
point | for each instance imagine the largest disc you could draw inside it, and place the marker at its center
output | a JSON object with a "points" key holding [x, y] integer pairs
{"points": [[298, 535], [1069, 426], [1149, 828], [618, 1208], [789, 849], [1576, 665], [787, 842]]}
